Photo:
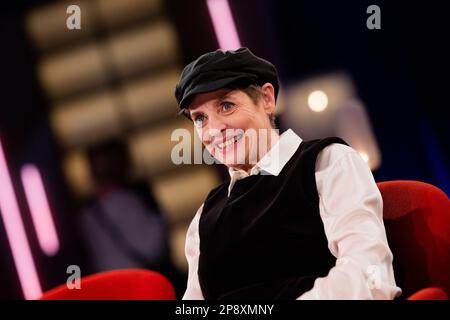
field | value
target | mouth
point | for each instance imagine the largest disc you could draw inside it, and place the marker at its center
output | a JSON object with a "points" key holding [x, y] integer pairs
{"points": [[229, 142]]}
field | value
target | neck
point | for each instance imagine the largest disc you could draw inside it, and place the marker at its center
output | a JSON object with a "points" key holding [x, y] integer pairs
{"points": [[272, 139]]}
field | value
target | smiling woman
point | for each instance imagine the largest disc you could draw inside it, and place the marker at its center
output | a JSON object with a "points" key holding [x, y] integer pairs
{"points": [[229, 123], [297, 219]]}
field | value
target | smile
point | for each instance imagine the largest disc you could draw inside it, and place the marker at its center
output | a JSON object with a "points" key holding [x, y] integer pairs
{"points": [[229, 142]]}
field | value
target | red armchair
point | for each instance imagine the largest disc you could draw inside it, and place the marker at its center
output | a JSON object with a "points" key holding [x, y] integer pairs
{"points": [[417, 221], [129, 284]]}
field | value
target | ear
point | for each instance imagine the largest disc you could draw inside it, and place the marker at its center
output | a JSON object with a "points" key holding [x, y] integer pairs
{"points": [[268, 95]]}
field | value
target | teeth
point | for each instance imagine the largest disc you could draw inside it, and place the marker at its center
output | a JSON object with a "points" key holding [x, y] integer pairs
{"points": [[229, 142]]}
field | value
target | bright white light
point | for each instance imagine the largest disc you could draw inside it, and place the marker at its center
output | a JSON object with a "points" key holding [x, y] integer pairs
{"points": [[317, 101], [365, 156], [40, 209]]}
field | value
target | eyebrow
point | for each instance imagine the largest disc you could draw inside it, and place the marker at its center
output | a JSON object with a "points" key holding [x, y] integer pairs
{"points": [[194, 113], [218, 101], [225, 96]]}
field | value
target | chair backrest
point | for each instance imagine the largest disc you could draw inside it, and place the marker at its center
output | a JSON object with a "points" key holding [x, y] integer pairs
{"points": [[129, 284], [417, 221]]}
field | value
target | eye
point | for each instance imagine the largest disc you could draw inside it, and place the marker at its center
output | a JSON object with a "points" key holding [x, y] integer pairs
{"points": [[199, 120], [227, 106]]}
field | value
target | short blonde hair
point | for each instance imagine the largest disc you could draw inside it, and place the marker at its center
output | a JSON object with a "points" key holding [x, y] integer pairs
{"points": [[255, 93]]}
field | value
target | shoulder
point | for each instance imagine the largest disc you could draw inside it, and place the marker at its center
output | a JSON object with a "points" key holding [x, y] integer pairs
{"points": [[332, 154], [321, 143], [218, 190], [323, 150]]}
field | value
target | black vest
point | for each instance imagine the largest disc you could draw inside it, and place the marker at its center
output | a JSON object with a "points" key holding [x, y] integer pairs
{"points": [[266, 240]]}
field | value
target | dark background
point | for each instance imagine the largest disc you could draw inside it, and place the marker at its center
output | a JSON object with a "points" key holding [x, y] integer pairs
{"points": [[401, 73]]}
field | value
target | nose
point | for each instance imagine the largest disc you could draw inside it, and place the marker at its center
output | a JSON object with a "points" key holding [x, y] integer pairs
{"points": [[214, 129]]}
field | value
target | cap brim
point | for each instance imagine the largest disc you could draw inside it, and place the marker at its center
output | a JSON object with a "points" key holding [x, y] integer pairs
{"points": [[239, 80]]}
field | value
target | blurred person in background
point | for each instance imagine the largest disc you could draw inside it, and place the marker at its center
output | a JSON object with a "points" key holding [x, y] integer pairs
{"points": [[122, 225], [304, 221]]}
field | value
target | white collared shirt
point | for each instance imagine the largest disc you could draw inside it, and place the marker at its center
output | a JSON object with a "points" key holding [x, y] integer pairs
{"points": [[351, 209]]}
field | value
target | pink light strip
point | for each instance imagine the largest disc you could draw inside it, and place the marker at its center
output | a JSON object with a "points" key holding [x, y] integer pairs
{"points": [[15, 232], [223, 23], [40, 209]]}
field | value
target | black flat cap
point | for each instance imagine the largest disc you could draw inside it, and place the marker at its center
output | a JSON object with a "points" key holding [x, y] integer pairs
{"points": [[224, 69]]}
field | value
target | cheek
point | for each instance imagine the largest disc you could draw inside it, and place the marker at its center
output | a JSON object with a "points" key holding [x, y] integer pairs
{"points": [[204, 133], [200, 134], [245, 118]]}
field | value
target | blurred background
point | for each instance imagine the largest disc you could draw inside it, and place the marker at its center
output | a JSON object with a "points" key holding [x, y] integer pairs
{"points": [[86, 116]]}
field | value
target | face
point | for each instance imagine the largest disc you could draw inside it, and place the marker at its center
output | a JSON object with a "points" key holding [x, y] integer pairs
{"points": [[231, 125]]}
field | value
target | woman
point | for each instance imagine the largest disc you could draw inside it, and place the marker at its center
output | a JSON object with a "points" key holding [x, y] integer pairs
{"points": [[297, 219]]}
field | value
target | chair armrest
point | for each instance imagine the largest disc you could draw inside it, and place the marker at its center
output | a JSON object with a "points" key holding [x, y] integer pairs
{"points": [[429, 294]]}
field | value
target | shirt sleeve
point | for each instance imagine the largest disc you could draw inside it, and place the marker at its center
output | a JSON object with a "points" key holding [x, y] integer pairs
{"points": [[192, 251], [351, 208]]}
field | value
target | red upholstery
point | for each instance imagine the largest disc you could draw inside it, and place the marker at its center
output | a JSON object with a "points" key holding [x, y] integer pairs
{"points": [[130, 284], [417, 220], [429, 294]]}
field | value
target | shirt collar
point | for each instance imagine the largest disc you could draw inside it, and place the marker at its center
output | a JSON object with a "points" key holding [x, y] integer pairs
{"points": [[273, 162]]}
